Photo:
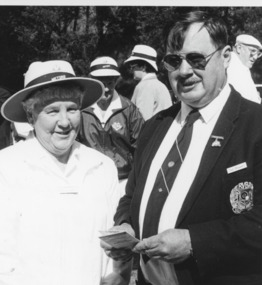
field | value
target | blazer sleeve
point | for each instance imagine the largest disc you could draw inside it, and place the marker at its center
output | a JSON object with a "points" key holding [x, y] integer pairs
{"points": [[123, 210]]}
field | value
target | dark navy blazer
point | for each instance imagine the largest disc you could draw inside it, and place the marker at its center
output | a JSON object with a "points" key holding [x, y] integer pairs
{"points": [[227, 245]]}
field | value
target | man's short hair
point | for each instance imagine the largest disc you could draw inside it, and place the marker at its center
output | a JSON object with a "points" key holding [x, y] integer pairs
{"points": [[215, 27]]}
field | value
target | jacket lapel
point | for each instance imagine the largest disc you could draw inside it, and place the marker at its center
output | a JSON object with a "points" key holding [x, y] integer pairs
{"points": [[158, 131], [224, 128]]}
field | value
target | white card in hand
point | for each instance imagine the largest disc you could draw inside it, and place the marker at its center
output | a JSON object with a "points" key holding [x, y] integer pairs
{"points": [[119, 239]]}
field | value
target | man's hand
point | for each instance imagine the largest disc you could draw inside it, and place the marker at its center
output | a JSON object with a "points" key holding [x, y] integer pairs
{"points": [[119, 254], [172, 246]]}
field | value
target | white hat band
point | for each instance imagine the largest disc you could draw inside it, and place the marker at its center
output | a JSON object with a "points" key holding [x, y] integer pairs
{"points": [[103, 66], [50, 77]]}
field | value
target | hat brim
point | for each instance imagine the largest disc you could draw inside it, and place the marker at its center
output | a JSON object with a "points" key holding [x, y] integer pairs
{"points": [[12, 109], [133, 58], [250, 44], [104, 73]]}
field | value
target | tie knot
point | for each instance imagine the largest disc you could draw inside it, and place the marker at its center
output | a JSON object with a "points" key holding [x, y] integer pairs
{"points": [[192, 117]]}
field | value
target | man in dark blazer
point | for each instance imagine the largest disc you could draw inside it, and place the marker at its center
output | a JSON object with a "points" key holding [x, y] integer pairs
{"points": [[210, 226]]}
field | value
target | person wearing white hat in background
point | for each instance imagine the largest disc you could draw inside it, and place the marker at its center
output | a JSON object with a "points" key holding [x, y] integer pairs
{"points": [[55, 193], [246, 51], [111, 125], [150, 95]]}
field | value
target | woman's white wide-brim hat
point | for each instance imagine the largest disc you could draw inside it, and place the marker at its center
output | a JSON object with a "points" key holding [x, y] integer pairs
{"points": [[47, 73], [145, 53]]}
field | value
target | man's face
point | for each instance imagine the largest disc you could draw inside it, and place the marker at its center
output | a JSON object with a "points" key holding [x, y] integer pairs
{"points": [[109, 83], [56, 126], [138, 70], [247, 54], [196, 87]]}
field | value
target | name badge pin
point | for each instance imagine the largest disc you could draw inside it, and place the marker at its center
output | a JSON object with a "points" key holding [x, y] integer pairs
{"points": [[216, 142]]}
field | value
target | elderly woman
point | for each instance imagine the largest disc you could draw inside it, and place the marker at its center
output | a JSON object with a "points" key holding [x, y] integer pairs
{"points": [[55, 194]]}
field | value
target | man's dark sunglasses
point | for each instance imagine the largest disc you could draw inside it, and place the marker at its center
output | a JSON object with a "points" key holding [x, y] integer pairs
{"points": [[196, 60]]}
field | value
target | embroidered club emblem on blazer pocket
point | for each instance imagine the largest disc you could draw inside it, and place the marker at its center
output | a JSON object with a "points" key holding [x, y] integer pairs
{"points": [[241, 197]]}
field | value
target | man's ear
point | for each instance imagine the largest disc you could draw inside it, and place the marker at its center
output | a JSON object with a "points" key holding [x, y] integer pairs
{"points": [[237, 48], [226, 54]]}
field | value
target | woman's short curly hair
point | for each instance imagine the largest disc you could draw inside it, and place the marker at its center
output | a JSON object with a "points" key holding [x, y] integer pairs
{"points": [[65, 91]]}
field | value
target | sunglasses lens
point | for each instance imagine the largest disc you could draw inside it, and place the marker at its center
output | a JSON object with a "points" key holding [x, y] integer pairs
{"points": [[196, 60], [172, 62]]}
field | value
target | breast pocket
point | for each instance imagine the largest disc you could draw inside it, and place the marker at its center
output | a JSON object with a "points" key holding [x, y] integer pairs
{"points": [[238, 192]]}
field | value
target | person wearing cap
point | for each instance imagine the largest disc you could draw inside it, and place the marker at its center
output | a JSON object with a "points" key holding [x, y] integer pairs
{"points": [[246, 51], [111, 125], [150, 95], [55, 193]]}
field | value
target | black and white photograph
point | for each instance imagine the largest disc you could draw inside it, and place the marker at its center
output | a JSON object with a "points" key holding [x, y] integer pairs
{"points": [[130, 142]]}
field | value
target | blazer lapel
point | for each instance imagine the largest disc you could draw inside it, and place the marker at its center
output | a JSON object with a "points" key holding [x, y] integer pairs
{"points": [[224, 128], [158, 131]]}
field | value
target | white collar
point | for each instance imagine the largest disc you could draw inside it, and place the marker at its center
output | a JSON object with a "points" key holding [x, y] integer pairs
{"points": [[207, 112], [151, 75], [114, 104]]}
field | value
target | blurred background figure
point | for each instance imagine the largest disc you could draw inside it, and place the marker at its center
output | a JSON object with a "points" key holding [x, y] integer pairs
{"points": [[150, 94], [11, 132], [5, 125], [112, 125], [20, 131], [246, 51]]}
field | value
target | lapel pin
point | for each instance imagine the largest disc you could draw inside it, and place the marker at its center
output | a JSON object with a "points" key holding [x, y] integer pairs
{"points": [[216, 142]]}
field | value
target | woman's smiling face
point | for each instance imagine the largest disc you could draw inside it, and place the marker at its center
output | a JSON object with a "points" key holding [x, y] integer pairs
{"points": [[56, 126]]}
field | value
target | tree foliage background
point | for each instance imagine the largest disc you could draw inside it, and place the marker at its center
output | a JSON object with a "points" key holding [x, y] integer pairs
{"points": [[79, 34]]}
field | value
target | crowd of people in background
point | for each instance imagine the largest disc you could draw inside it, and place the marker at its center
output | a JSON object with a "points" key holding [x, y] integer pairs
{"points": [[183, 177], [111, 125]]}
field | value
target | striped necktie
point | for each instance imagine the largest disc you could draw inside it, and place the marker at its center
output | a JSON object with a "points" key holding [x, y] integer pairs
{"points": [[166, 177]]}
